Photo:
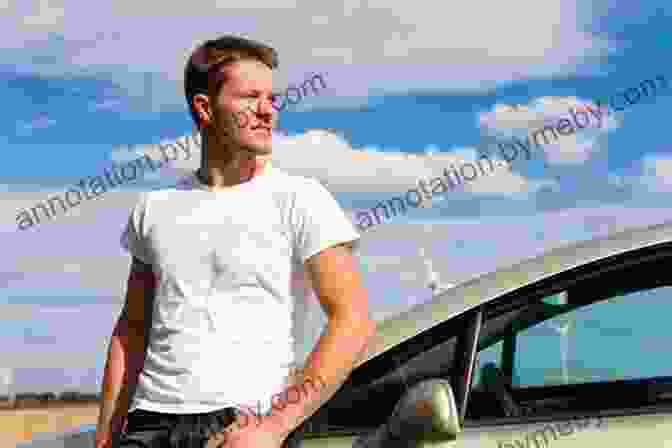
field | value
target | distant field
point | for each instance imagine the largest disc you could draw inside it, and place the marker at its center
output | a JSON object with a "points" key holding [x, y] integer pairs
{"points": [[22, 425]]}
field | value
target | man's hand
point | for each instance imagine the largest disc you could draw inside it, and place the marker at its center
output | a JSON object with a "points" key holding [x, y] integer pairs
{"points": [[106, 437], [249, 427], [103, 437], [268, 433]]}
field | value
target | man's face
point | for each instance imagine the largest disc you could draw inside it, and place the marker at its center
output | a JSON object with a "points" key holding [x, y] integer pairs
{"points": [[242, 111]]}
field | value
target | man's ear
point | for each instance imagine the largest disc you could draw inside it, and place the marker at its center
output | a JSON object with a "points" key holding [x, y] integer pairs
{"points": [[202, 108]]}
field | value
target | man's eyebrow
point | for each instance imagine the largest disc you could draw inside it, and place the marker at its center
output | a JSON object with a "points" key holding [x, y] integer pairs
{"points": [[258, 92]]}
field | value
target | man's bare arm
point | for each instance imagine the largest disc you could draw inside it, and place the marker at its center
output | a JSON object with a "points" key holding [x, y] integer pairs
{"points": [[338, 286], [126, 353]]}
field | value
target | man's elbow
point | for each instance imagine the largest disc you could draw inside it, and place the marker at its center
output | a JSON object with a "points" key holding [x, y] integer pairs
{"points": [[358, 323], [367, 326], [366, 330]]}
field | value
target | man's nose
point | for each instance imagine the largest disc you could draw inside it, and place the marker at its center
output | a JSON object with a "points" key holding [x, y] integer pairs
{"points": [[265, 107]]}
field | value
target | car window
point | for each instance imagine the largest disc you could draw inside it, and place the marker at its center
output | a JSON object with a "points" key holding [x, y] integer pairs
{"points": [[492, 354], [557, 363], [605, 341]]}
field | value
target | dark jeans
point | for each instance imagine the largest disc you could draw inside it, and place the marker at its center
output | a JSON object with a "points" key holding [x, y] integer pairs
{"points": [[147, 429]]}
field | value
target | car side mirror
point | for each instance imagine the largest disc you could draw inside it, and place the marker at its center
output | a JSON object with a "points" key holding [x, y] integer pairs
{"points": [[426, 412]]}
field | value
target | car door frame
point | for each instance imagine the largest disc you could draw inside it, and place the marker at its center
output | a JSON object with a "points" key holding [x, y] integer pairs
{"points": [[499, 429]]}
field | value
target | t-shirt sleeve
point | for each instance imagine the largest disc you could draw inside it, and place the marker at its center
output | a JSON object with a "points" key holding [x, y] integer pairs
{"points": [[134, 238], [318, 222]]}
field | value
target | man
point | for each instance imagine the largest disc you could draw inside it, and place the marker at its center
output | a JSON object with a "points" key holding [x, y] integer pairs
{"points": [[215, 256]]}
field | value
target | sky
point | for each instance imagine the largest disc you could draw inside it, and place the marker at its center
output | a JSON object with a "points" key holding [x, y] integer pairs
{"points": [[410, 91]]}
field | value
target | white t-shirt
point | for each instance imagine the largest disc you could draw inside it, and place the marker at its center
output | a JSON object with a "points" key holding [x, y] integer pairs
{"points": [[221, 330]]}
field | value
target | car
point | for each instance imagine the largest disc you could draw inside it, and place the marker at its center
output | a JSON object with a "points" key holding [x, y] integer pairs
{"points": [[569, 348]]}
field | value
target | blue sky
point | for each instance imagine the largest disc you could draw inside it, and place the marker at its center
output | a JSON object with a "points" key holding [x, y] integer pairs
{"points": [[409, 91]]}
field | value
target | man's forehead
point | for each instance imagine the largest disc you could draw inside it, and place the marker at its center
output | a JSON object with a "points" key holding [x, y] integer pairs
{"points": [[246, 74]]}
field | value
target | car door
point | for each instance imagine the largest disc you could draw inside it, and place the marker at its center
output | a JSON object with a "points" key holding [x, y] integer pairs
{"points": [[367, 399], [579, 360]]}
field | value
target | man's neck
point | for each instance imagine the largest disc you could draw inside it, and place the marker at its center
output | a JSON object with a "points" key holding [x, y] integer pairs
{"points": [[238, 168], [235, 173]]}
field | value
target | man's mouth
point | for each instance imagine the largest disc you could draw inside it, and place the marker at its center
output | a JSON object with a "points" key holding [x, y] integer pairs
{"points": [[264, 129]]}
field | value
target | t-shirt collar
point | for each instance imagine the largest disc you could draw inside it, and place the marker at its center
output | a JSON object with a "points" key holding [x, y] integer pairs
{"points": [[194, 181]]}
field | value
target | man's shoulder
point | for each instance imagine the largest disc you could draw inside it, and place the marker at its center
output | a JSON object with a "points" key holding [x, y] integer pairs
{"points": [[162, 193]]}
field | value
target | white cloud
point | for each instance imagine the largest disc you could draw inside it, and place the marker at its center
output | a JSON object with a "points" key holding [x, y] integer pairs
{"points": [[74, 251], [510, 184], [656, 173], [526, 122], [500, 180], [474, 51], [345, 169], [43, 15], [188, 158], [6, 380], [369, 171]]}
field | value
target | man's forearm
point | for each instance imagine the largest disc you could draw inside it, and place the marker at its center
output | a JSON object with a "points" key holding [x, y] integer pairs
{"points": [[121, 372], [339, 349], [327, 368]]}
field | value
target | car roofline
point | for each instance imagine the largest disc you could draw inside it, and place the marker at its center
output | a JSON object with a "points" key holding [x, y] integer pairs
{"points": [[486, 287]]}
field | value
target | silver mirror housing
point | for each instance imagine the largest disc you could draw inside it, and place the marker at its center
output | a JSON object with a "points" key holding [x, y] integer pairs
{"points": [[426, 412]]}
